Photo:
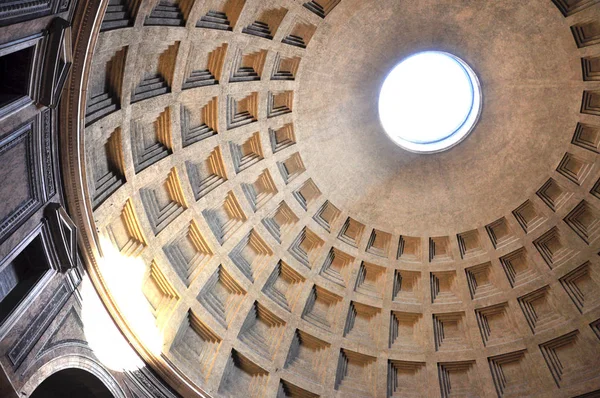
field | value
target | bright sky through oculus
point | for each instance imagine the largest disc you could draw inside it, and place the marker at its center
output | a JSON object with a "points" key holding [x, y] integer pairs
{"points": [[429, 102]]}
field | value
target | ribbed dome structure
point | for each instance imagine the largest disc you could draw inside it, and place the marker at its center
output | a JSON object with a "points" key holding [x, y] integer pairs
{"points": [[255, 233]]}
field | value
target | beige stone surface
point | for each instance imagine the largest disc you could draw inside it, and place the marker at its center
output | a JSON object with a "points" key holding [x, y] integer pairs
{"points": [[427, 268], [531, 100]]}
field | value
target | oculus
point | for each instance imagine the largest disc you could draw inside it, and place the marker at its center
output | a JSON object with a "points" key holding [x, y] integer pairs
{"points": [[430, 102]]}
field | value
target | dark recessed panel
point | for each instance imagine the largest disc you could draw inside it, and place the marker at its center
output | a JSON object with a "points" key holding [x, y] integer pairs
{"points": [[19, 157], [20, 272], [20, 68]]}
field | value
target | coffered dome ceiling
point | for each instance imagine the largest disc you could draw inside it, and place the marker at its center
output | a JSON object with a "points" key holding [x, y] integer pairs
{"points": [[254, 232], [532, 98]]}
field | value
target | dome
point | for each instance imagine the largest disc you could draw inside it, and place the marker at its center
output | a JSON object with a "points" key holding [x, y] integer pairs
{"points": [[254, 231]]}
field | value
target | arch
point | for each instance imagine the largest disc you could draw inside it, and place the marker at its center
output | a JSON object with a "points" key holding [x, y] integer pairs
{"points": [[72, 382], [72, 376]]}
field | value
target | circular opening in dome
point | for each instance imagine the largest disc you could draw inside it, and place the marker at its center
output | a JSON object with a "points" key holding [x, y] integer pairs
{"points": [[430, 102]]}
